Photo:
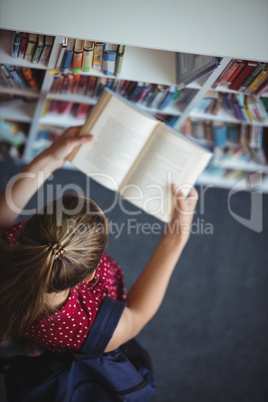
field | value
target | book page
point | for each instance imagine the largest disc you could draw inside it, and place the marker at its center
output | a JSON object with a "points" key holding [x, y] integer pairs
{"points": [[120, 133], [168, 158]]}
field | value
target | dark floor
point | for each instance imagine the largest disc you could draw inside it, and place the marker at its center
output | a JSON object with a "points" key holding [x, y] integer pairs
{"points": [[208, 341]]}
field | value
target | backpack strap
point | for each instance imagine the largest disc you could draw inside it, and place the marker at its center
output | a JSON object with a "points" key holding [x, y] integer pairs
{"points": [[103, 327]]}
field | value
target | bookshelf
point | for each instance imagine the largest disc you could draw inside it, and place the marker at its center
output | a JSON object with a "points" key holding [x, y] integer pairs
{"points": [[149, 56]]}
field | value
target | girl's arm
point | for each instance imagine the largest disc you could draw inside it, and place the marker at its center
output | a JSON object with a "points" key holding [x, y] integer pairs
{"points": [[147, 293], [23, 186]]}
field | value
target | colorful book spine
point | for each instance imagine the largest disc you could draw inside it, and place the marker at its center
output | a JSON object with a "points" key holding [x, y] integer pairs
{"points": [[109, 59], [236, 73], [78, 55], [67, 57], [38, 50], [119, 60], [98, 55], [46, 49], [220, 134], [251, 65], [87, 55], [168, 98], [262, 89], [226, 72], [255, 84], [76, 83], [251, 77], [27, 72], [23, 45], [30, 47], [61, 54], [16, 44]]}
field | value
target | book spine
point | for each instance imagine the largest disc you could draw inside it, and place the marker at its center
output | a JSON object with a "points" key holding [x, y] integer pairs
{"points": [[61, 55], [251, 77], [223, 74], [27, 72], [119, 60], [244, 74], [45, 54], [262, 89], [82, 84], [77, 58], [87, 59], [30, 48], [16, 44], [256, 81], [109, 59], [23, 45], [37, 54], [76, 83], [237, 72], [168, 98], [98, 56], [66, 61]]}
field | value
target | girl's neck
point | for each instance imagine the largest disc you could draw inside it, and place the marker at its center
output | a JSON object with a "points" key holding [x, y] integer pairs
{"points": [[57, 300]]}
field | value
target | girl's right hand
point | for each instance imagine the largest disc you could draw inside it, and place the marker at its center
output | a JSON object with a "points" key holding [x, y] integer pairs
{"points": [[180, 225]]}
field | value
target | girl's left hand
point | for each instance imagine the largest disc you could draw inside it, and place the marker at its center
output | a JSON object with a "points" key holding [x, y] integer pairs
{"points": [[59, 150]]}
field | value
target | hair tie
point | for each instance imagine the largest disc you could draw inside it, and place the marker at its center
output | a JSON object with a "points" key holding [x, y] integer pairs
{"points": [[57, 250]]}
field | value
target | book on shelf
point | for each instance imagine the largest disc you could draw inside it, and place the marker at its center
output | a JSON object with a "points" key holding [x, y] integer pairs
{"points": [[32, 39], [240, 67], [138, 156], [23, 45], [190, 67], [247, 70], [68, 55], [262, 89], [61, 54], [46, 49], [16, 44], [258, 81], [87, 55], [98, 55], [251, 77], [38, 49], [119, 59], [109, 58], [78, 55]]}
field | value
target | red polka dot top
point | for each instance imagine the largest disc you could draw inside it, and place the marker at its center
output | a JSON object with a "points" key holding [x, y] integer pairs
{"points": [[68, 328]]}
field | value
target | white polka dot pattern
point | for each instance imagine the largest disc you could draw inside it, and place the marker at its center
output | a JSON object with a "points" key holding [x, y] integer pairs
{"points": [[68, 328]]}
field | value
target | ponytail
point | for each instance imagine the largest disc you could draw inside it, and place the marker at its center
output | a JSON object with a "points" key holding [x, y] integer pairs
{"points": [[57, 250]]}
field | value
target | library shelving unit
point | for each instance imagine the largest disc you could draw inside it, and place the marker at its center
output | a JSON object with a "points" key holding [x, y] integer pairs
{"points": [[150, 56]]}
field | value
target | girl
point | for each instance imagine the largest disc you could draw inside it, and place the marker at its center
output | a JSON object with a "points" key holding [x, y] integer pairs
{"points": [[55, 274]]}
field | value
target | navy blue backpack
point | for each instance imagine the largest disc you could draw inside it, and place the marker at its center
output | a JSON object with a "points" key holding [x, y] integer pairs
{"points": [[88, 375]]}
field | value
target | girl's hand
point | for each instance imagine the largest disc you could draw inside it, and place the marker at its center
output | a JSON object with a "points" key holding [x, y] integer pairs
{"points": [[59, 150], [183, 214]]}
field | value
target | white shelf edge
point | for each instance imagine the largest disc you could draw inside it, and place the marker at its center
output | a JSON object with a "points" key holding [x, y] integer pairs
{"points": [[21, 113], [19, 92]]}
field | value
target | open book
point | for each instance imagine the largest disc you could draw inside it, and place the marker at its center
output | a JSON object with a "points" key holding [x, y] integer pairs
{"points": [[138, 156]]}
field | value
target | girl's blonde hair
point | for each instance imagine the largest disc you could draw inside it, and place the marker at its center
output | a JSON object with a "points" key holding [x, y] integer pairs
{"points": [[58, 247]]}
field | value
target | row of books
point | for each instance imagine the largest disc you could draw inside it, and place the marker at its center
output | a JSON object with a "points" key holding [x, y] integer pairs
{"points": [[77, 55], [246, 108], [248, 142], [13, 137], [146, 94], [18, 77], [249, 77], [32, 47], [77, 110]]}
